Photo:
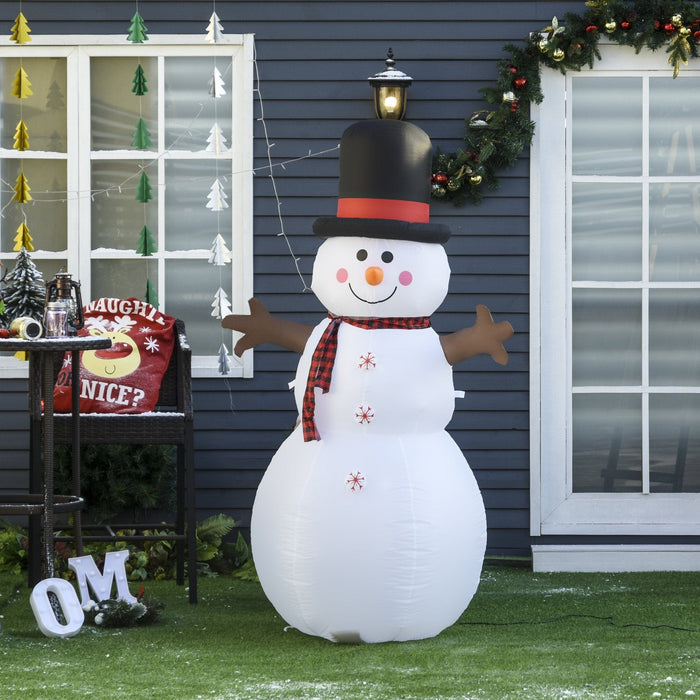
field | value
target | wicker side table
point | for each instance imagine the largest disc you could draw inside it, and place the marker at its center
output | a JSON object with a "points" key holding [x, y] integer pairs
{"points": [[40, 504]]}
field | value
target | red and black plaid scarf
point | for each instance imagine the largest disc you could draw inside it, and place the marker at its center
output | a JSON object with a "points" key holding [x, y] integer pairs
{"points": [[324, 356]]}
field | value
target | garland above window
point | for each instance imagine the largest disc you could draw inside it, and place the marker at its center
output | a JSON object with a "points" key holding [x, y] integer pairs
{"points": [[496, 136]]}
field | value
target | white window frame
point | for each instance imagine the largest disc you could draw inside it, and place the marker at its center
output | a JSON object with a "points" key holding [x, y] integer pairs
{"points": [[78, 50], [554, 508]]}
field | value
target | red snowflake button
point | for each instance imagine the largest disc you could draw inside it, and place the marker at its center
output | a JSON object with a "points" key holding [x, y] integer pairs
{"points": [[367, 361], [364, 414], [355, 482]]}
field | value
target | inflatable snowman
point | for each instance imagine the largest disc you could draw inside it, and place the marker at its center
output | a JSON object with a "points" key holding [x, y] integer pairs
{"points": [[368, 525]]}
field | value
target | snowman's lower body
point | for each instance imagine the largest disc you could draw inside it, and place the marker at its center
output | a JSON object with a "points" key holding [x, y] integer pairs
{"points": [[372, 540]]}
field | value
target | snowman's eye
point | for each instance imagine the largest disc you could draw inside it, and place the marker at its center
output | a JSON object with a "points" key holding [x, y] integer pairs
{"points": [[387, 257], [361, 254]]}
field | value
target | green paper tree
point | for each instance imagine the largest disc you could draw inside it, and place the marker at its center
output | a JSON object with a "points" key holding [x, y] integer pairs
{"points": [[142, 136], [139, 83], [144, 192], [147, 243], [138, 31], [151, 296]]}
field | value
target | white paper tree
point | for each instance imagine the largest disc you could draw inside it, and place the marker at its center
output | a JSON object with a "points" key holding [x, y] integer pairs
{"points": [[221, 305], [216, 199], [224, 364], [214, 29], [219, 254], [216, 84], [216, 142]]}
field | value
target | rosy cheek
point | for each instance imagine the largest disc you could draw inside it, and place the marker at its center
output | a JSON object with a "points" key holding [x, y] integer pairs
{"points": [[405, 278], [342, 275]]}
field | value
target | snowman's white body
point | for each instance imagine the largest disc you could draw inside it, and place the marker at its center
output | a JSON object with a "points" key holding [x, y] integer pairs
{"points": [[375, 532]]}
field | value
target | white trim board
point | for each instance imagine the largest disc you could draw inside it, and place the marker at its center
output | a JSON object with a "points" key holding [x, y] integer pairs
{"points": [[615, 558]]}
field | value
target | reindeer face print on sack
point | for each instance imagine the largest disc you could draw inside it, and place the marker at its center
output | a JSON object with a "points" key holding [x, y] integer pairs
{"points": [[126, 377]]}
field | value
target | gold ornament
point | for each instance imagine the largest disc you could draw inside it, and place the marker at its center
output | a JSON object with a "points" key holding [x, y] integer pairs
{"points": [[610, 26], [453, 184], [475, 179], [558, 54], [543, 45], [676, 20], [684, 31], [508, 96]]}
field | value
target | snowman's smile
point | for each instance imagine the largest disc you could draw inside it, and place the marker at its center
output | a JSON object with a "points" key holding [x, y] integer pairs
{"points": [[367, 301]]}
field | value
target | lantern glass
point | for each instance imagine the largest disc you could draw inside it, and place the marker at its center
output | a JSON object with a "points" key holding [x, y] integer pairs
{"points": [[390, 101]]}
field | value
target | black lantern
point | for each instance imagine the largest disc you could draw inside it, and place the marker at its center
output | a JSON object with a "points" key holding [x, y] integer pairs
{"points": [[65, 291], [390, 87]]}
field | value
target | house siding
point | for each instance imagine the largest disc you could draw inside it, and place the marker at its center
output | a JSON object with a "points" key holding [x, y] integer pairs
{"points": [[313, 59]]}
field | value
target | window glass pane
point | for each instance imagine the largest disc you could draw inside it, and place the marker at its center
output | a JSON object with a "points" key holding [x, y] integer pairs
{"points": [[674, 138], [674, 239], [607, 126], [607, 337], [607, 443], [674, 337], [43, 112], [117, 217], [674, 443], [190, 111], [190, 287], [45, 213], [189, 224], [115, 109], [609, 247], [122, 279]]}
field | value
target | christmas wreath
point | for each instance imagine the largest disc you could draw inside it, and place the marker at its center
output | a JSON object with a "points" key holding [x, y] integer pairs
{"points": [[496, 136]]}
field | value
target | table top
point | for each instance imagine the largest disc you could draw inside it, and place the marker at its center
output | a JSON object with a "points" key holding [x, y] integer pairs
{"points": [[76, 342]]}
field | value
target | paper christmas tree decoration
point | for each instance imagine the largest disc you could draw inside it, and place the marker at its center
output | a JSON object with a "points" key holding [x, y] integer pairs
{"points": [[144, 192], [21, 137], [216, 199], [216, 84], [138, 31], [220, 254], [20, 30], [224, 364], [54, 97], [151, 294], [147, 242], [216, 142], [139, 83], [214, 29], [221, 305], [23, 239], [21, 87], [22, 190], [142, 136]]}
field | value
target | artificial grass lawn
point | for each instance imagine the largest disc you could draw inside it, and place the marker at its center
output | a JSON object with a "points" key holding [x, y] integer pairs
{"points": [[525, 636]]}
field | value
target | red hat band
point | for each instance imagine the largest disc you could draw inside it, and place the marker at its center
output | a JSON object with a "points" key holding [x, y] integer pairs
{"points": [[395, 209]]}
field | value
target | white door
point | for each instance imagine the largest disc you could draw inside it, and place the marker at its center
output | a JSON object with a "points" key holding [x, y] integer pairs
{"points": [[615, 300]]}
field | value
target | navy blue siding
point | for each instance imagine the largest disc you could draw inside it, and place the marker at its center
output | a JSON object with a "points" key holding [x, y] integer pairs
{"points": [[313, 60]]}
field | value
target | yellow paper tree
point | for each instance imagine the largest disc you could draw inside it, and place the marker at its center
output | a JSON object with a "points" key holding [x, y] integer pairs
{"points": [[22, 190], [21, 136], [21, 87], [20, 30], [23, 239]]}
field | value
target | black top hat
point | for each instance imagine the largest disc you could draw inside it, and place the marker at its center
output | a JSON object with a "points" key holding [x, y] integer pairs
{"points": [[384, 187]]}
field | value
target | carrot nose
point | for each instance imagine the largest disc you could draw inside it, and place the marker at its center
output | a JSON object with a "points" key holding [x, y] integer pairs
{"points": [[374, 275]]}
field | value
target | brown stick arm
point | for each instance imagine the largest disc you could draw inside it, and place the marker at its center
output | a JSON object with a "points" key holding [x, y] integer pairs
{"points": [[484, 336], [260, 326]]}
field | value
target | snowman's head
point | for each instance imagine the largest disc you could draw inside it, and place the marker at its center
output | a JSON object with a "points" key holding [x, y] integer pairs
{"points": [[376, 277]]}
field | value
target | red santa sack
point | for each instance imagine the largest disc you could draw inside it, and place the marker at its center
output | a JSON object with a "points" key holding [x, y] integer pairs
{"points": [[126, 377]]}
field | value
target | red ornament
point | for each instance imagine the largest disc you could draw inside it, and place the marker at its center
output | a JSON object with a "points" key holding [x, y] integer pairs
{"points": [[591, 28], [514, 106], [669, 28], [657, 24], [512, 69], [4, 333], [696, 35], [520, 82], [441, 178], [625, 26]]}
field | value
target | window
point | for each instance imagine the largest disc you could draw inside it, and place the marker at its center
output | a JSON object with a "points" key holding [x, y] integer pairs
{"points": [[85, 163], [616, 300]]}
